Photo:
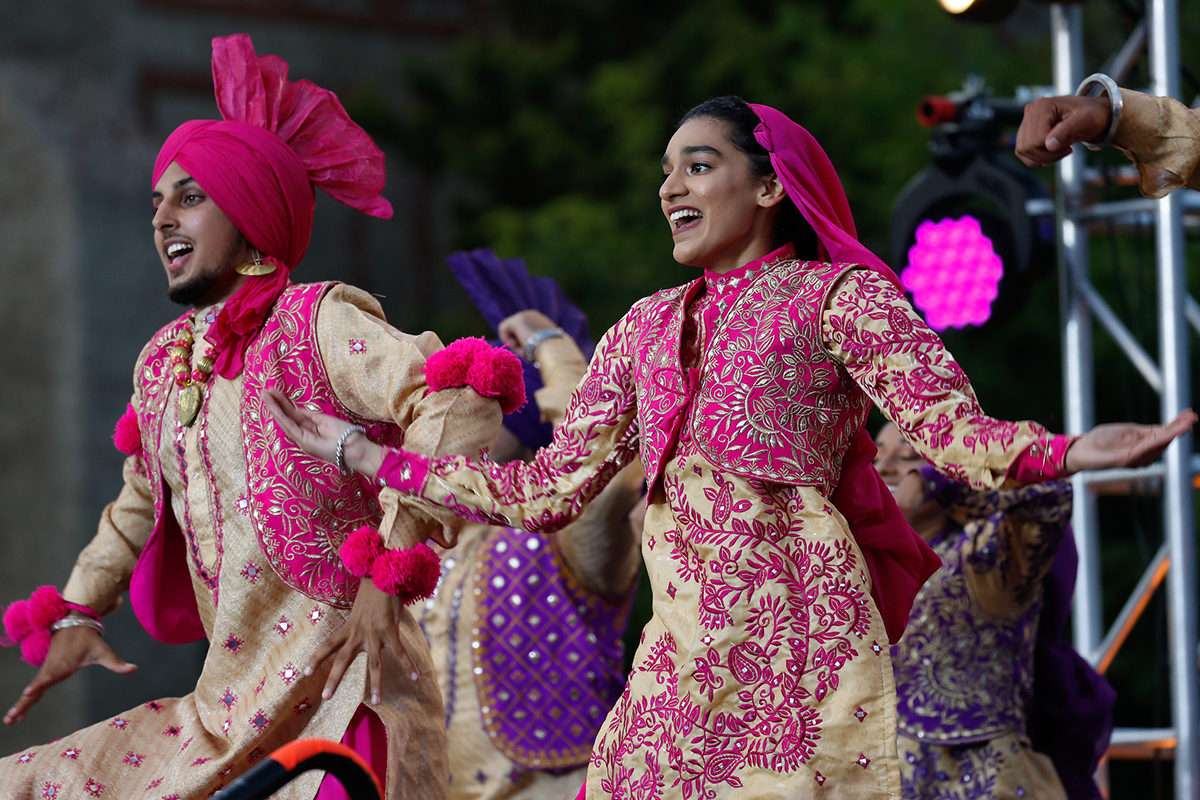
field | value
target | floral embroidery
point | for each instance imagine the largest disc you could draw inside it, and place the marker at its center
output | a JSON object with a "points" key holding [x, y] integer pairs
{"points": [[255, 755], [71, 753], [357, 347], [859, 714], [185, 744], [315, 615], [283, 626], [862, 761], [301, 707], [154, 784], [258, 689], [172, 730], [229, 698], [155, 706], [260, 721], [819, 778], [51, 791], [289, 673], [200, 762], [119, 724], [226, 725], [242, 504], [134, 759], [93, 787], [25, 758], [233, 643], [251, 572]]}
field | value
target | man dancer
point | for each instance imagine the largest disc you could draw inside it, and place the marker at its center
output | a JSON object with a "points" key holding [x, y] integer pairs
{"points": [[224, 529]]}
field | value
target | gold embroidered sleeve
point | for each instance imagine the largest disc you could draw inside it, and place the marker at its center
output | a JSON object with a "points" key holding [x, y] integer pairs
{"points": [[596, 440], [907, 372], [1162, 137], [103, 569], [378, 373]]}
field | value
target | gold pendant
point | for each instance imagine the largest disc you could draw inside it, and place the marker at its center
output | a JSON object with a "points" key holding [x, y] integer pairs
{"points": [[190, 399]]}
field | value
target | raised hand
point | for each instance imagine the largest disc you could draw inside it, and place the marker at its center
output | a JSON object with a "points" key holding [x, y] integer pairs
{"points": [[71, 649], [515, 330], [1052, 124], [373, 626], [1125, 444]]}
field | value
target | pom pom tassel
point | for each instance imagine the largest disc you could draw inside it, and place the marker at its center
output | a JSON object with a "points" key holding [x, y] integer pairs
{"points": [[410, 574], [360, 550], [27, 622], [127, 436], [491, 371]]}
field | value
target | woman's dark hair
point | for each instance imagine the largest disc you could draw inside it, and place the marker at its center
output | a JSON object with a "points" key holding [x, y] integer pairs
{"points": [[790, 224]]}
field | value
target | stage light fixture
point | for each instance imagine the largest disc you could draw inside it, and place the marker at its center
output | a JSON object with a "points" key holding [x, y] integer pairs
{"points": [[973, 229], [979, 10]]}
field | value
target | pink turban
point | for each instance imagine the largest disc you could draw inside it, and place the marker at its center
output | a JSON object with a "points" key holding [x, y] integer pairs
{"points": [[278, 139], [897, 558]]}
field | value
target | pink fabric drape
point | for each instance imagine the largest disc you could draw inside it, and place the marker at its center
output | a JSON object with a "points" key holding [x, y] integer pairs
{"points": [[260, 164], [898, 559]]}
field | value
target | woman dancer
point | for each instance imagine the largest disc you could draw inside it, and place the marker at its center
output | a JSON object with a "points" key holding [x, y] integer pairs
{"points": [[780, 565]]}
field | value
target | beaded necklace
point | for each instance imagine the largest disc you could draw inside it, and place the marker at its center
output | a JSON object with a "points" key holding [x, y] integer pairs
{"points": [[189, 379]]}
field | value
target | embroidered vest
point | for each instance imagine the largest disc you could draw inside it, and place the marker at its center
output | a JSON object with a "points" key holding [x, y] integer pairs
{"points": [[771, 404], [962, 676], [548, 654], [301, 507]]}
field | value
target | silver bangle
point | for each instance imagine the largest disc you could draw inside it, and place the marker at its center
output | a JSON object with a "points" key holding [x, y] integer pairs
{"points": [[78, 622], [535, 341], [1098, 80], [341, 445]]}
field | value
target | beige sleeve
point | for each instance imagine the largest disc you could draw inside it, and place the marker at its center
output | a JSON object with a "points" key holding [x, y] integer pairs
{"points": [[103, 569], [378, 373], [1162, 137]]}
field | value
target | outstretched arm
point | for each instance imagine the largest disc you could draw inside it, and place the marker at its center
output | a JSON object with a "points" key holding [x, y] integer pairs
{"points": [[71, 649]]}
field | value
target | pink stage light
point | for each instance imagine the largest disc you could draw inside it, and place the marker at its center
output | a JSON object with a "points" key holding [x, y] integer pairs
{"points": [[953, 273]]}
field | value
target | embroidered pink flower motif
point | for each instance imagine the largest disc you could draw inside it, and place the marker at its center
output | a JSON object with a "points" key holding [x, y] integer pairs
{"points": [[302, 707], [242, 504], [200, 762], [251, 572], [289, 673], [650, 542], [258, 689], [819, 778], [51, 791], [357, 347], [283, 626], [25, 758], [315, 615], [119, 724], [93, 787], [224, 772], [875, 648], [859, 714], [154, 784], [260, 721], [862, 761], [255, 755], [155, 706], [185, 744], [671, 589], [134, 759], [704, 672], [71, 753], [229, 698], [233, 643], [226, 725], [172, 730]]}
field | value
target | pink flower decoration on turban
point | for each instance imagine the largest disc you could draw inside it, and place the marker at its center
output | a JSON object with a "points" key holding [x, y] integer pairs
{"points": [[277, 140]]}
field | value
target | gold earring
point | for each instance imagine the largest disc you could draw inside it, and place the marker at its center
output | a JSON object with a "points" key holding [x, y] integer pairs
{"points": [[255, 267]]}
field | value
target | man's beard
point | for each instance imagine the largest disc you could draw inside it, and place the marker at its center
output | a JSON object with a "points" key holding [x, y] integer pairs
{"points": [[194, 290]]}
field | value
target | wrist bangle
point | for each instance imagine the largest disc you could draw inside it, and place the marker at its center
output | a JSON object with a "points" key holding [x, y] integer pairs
{"points": [[78, 622], [535, 341], [1091, 86], [339, 461]]}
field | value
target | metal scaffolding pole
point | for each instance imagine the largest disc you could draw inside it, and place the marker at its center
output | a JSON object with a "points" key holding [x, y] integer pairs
{"points": [[1176, 396], [1078, 303]]}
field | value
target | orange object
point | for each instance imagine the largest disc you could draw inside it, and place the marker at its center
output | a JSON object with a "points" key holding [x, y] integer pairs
{"points": [[294, 753], [935, 110]]}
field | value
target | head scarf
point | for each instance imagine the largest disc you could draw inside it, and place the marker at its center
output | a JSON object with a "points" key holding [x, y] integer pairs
{"points": [[277, 140], [898, 559], [500, 288]]}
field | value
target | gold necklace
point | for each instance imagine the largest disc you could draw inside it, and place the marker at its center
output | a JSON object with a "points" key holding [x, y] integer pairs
{"points": [[187, 378]]}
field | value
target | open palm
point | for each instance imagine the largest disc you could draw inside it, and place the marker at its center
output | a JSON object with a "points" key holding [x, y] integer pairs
{"points": [[1125, 444]]}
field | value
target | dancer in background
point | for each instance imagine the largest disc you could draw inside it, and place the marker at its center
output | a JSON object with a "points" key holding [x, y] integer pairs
{"points": [[982, 668], [526, 631], [780, 564], [1160, 134], [223, 529]]}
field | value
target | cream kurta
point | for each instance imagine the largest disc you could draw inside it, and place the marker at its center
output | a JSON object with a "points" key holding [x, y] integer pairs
{"points": [[764, 672], [252, 696], [1162, 136]]}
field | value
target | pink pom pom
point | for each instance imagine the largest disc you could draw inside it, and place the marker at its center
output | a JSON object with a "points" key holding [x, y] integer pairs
{"points": [[410, 574], [448, 367], [127, 436], [360, 551], [27, 623], [499, 374]]}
